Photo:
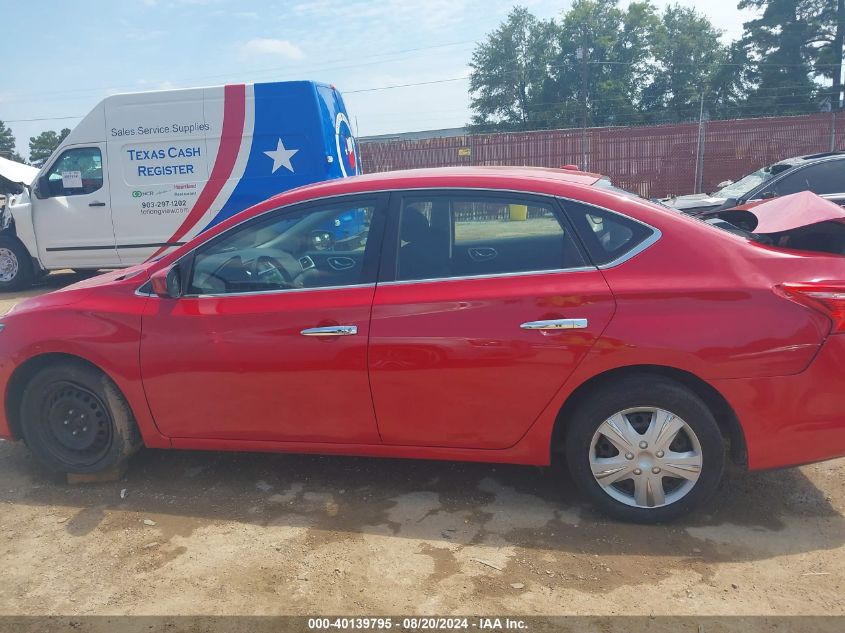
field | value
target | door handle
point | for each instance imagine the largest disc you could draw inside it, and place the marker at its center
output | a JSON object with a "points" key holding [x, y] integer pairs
{"points": [[96, 204], [556, 324], [332, 330]]}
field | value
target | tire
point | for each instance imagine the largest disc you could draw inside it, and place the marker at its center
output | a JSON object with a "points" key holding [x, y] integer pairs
{"points": [[648, 403], [68, 397], [15, 264]]}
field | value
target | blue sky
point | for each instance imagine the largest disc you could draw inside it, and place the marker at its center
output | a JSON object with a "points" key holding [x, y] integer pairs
{"points": [[59, 60]]}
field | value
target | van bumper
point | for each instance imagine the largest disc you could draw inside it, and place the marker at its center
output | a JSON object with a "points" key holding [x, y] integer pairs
{"points": [[793, 420]]}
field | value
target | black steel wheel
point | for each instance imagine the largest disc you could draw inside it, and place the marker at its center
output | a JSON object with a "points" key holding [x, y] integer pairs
{"points": [[75, 424], [75, 420]]}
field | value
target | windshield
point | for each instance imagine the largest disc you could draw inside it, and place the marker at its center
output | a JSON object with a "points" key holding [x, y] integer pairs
{"points": [[742, 186]]}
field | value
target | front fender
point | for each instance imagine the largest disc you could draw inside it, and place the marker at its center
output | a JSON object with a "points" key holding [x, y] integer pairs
{"points": [[17, 218], [104, 331]]}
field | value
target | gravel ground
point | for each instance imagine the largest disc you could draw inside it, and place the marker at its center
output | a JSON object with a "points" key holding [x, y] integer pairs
{"points": [[218, 533]]}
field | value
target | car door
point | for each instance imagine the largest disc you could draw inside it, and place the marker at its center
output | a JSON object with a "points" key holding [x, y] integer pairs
{"points": [[270, 340], [484, 306], [72, 212]]}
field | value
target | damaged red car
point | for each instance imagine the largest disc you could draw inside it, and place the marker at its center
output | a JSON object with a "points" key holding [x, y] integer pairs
{"points": [[487, 314]]}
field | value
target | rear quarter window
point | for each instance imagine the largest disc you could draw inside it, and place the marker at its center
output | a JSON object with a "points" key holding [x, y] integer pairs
{"points": [[607, 236]]}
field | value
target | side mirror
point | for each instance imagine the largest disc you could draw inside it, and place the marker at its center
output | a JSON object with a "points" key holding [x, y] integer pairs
{"points": [[167, 283], [768, 195], [42, 188]]}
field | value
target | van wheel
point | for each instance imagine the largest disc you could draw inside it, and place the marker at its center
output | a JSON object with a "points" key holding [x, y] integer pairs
{"points": [[75, 420], [15, 264], [645, 449]]}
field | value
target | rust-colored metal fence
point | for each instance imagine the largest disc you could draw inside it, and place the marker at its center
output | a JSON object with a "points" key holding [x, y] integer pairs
{"points": [[653, 161]]}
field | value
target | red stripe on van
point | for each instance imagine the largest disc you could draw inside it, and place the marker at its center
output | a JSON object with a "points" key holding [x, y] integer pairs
{"points": [[234, 108]]}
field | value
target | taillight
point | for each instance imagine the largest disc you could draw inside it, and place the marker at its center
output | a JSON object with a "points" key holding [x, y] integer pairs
{"points": [[827, 297]]}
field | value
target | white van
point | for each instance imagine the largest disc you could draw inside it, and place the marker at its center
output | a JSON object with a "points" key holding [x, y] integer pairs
{"points": [[148, 171]]}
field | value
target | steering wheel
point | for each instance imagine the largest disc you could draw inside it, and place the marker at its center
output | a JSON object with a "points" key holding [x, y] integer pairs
{"points": [[271, 271]]}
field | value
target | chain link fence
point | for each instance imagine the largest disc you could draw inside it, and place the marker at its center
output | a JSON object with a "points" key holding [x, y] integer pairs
{"points": [[653, 161]]}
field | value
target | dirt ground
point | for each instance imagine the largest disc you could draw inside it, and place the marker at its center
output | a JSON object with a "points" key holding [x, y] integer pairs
{"points": [[217, 533]]}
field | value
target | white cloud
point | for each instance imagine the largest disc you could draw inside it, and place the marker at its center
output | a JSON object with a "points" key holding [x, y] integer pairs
{"points": [[430, 15], [270, 46]]}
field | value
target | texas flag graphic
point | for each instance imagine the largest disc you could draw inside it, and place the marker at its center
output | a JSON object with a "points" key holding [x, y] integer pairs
{"points": [[273, 137]]}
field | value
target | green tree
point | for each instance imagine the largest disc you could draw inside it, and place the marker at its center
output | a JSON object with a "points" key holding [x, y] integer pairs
{"points": [[7, 144], [616, 66], [41, 146], [633, 59], [688, 57], [783, 45], [602, 54], [730, 84], [510, 73]]}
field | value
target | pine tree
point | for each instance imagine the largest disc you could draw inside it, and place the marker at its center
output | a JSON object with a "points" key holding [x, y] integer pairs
{"points": [[41, 146], [7, 144], [782, 46]]}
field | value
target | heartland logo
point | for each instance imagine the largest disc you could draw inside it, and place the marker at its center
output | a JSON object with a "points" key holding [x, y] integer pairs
{"points": [[190, 185]]}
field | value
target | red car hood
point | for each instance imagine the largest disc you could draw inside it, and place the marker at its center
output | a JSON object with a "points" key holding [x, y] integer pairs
{"points": [[787, 213]]}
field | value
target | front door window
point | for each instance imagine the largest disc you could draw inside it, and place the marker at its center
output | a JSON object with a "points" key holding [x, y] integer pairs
{"points": [[313, 248], [77, 172]]}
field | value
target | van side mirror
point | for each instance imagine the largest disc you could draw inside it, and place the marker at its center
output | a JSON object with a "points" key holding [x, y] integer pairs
{"points": [[42, 187], [167, 283]]}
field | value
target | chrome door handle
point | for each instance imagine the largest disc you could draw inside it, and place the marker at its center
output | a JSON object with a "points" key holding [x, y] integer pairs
{"points": [[332, 330], [556, 324]]}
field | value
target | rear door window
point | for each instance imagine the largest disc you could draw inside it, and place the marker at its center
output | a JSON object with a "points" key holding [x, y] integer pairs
{"points": [[447, 235]]}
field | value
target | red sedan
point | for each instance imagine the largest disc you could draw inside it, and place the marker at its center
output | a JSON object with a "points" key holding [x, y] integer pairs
{"points": [[499, 315]]}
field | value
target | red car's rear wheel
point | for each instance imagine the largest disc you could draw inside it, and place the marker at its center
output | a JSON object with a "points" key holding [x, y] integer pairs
{"points": [[645, 449]]}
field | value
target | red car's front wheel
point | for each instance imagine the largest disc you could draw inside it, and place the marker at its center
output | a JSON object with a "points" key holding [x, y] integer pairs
{"points": [[75, 420]]}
